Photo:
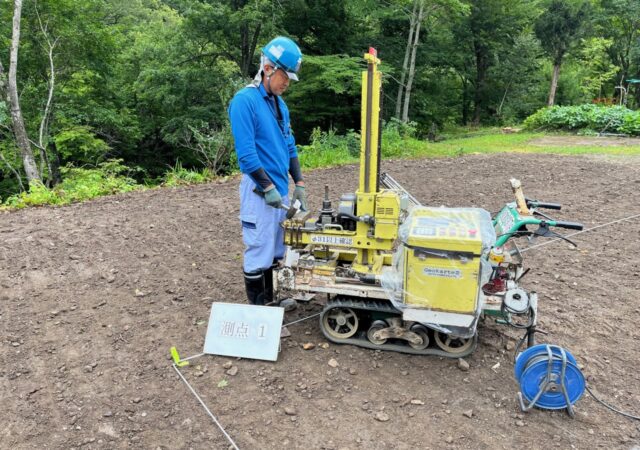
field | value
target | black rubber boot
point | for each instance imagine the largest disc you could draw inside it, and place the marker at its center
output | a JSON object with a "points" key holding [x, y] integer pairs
{"points": [[268, 286], [254, 284]]}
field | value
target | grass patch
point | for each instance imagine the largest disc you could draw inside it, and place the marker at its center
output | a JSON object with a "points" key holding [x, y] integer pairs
{"points": [[78, 184], [519, 143], [179, 176], [331, 150]]}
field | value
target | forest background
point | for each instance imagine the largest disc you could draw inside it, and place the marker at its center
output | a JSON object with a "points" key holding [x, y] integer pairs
{"points": [[118, 94]]}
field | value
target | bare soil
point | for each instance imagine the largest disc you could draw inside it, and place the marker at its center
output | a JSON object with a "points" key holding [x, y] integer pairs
{"points": [[93, 296]]}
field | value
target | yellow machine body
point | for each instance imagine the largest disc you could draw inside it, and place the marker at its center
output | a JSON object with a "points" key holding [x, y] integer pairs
{"points": [[441, 263]]}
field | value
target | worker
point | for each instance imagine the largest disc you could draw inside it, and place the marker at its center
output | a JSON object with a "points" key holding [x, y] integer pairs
{"points": [[267, 155]]}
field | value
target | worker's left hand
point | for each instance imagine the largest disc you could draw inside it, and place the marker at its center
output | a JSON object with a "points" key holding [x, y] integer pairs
{"points": [[300, 194]]}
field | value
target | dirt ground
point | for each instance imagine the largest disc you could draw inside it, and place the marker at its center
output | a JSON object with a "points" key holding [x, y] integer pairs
{"points": [[93, 296]]}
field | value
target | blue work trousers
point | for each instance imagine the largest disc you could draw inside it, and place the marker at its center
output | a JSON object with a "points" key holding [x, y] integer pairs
{"points": [[262, 234]]}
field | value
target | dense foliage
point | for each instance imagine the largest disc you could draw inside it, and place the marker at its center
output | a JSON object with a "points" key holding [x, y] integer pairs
{"points": [[586, 119], [147, 82]]}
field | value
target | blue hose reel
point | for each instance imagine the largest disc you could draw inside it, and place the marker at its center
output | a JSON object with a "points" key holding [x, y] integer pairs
{"points": [[549, 378]]}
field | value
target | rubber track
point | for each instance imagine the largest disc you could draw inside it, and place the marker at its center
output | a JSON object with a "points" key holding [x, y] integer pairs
{"points": [[386, 308]]}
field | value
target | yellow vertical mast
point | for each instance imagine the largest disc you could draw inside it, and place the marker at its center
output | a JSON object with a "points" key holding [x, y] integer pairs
{"points": [[370, 125], [369, 156]]}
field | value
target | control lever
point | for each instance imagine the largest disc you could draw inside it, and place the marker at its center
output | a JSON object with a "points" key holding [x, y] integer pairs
{"points": [[536, 204], [544, 231]]}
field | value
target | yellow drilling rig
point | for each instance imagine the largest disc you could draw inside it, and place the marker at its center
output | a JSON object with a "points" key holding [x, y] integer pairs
{"points": [[401, 276]]}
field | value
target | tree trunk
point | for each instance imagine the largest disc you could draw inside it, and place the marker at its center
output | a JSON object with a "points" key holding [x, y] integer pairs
{"points": [[412, 64], [3, 84], [465, 101], [405, 63], [43, 136], [248, 47], [19, 130], [481, 54], [244, 50], [254, 44], [554, 83]]}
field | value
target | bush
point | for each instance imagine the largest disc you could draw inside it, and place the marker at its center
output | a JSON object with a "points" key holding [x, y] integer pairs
{"points": [[79, 144], [78, 184], [329, 149], [396, 136], [613, 119], [179, 176]]}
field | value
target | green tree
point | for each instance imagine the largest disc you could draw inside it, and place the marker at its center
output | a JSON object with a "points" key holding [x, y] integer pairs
{"points": [[489, 32], [597, 66], [559, 28], [619, 21]]}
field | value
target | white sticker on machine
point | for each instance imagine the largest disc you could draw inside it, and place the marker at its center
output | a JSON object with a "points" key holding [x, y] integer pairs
{"points": [[331, 240], [442, 273]]}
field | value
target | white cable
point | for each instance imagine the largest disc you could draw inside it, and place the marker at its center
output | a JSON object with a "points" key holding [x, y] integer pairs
{"points": [[206, 409], [193, 357], [303, 319], [579, 232]]}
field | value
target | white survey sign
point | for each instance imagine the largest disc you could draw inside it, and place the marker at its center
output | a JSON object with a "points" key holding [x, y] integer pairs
{"points": [[245, 331]]}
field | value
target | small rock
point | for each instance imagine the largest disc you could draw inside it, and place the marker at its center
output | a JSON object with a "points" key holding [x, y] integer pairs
{"points": [[232, 371], [495, 367], [139, 293], [290, 411], [404, 372], [519, 423], [352, 371], [381, 416], [136, 400], [107, 414], [198, 373], [324, 345], [415, 401], [227, 365], [449, 439], [468, 413], [309, 346], [591, 431], [463, 365], [333, 363], [510, 345]]}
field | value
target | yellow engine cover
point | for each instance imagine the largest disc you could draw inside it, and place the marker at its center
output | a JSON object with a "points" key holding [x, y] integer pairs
{"points": [[442, 260]]}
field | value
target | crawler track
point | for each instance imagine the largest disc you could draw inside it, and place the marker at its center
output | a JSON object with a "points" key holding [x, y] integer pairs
{"points": [[368, 311]]}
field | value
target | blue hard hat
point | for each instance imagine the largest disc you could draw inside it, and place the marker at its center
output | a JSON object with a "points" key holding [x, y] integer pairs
{"points": [[285, 54]]}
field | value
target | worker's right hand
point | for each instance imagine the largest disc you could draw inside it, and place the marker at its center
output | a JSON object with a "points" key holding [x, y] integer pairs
{"points": [[273, 197]]}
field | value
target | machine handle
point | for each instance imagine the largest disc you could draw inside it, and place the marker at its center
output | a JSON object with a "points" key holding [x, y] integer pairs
{"points": [[537, 204], [569, 225]]}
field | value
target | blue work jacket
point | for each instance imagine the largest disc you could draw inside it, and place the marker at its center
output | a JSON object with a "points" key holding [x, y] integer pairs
{"points": [[261, 140]]}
